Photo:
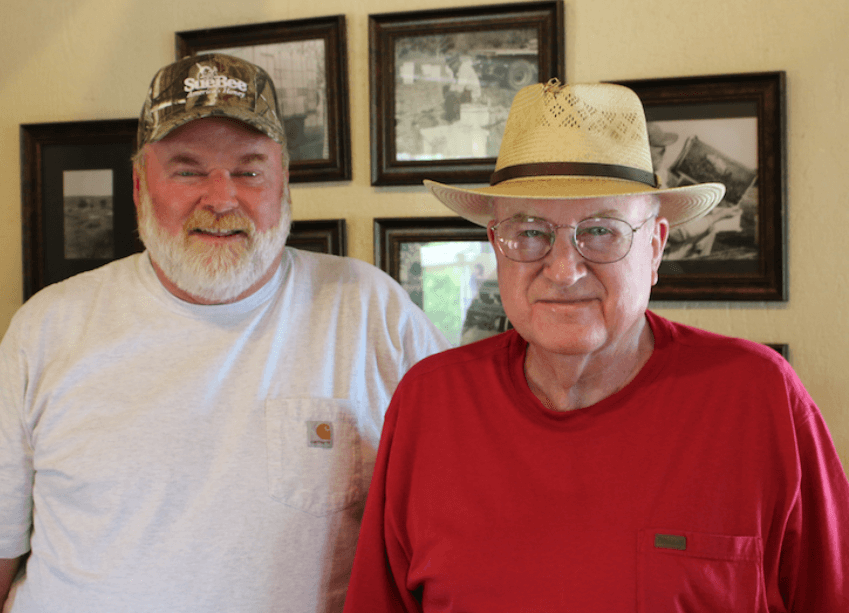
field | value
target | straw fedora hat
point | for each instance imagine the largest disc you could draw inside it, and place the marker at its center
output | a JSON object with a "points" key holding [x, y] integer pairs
{"points": [[564, 142]]}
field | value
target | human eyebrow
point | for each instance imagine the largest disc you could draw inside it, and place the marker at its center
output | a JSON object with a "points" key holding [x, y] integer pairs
{"points": [[606, 213], [251, 158], [182, 159], [526, 215]]}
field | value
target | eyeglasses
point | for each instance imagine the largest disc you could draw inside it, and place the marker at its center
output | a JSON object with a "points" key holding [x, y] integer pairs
{"points": [[602, 240]]}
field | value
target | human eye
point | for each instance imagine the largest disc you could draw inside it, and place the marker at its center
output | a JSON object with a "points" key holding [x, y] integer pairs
{"points": [[528, 228], [594, 231], [186, 174], [532, 233], [599, 229], [252, 166]]}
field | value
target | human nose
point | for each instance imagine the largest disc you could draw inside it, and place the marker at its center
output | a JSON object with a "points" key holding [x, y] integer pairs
{"points": [[563, 264], [219, 192]]}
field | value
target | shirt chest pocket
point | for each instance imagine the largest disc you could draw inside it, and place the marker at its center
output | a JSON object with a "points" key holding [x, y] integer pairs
{"points": [[690, 571], [314, 454]]}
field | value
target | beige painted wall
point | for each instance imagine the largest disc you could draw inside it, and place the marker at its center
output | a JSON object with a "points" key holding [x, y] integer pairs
{"points": [[68, 60]]}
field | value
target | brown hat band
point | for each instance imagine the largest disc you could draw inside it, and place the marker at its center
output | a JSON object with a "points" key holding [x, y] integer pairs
{"points": [[581, 169]]}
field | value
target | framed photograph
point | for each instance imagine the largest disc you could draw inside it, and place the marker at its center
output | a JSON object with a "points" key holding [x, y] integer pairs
{"points": [[307, 58], [320, 235], [77, 198], [729, 129], [447, 265], [442, 82]]}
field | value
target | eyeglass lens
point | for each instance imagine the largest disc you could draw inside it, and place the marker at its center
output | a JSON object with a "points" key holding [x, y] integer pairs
{"points": [[600, 239]]}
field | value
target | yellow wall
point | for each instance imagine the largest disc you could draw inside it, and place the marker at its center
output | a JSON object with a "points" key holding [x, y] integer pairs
{"points": [[69, 60]]}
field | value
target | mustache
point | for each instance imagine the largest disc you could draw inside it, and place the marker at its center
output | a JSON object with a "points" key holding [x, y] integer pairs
{"points": [[206, 221]]}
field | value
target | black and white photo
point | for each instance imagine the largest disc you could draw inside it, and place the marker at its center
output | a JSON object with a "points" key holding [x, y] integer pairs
{"points": [[453, 91], [88, 214], [725, 150], [442, 82]]}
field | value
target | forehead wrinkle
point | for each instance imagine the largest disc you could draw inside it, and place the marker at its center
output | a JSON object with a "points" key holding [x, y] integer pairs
{"points": [[605, 213], [607, 206], [186, 159]]}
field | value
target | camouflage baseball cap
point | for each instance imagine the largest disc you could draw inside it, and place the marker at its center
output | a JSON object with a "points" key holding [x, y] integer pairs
{"points": [[210, 85]]}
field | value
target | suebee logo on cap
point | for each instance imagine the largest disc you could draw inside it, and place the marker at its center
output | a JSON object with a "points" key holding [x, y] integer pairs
{"points": [[210, 85], [208, 79]]}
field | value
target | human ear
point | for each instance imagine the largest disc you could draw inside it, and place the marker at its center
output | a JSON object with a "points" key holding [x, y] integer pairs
{"points": [[136, 185], [659, 236], [490, 235], [139, 174]]}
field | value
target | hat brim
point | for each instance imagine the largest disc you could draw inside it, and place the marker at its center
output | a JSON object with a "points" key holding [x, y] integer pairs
{"points": [[165, 127], [677, 204]]}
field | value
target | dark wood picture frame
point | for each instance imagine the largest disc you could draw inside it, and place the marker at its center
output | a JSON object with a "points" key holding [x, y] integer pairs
{"points": [[255, 42], [782, 348], [391, 232], [319, 235], [64, 234], [508, 46], [750, 263], [477, 315]]}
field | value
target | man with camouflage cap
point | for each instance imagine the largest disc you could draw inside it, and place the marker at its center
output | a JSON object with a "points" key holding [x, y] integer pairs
{"points": [[193, 428]]}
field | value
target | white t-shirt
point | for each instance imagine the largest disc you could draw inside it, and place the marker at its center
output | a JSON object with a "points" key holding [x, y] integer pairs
{"points": [[174, 457]]}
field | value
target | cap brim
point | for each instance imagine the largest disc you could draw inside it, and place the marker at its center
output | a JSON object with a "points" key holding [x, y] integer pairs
{"points": [[247, 117], [677, 204]]}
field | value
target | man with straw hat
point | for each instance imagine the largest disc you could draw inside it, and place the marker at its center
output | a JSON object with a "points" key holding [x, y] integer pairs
{"points": [[598, 457]]}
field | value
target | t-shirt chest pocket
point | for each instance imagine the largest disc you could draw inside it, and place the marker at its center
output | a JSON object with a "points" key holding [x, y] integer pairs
{"points": [[682, 571], [314, 454]]}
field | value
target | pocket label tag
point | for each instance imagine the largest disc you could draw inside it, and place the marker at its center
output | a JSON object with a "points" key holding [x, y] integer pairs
{"points": [[670, 541], [320, 434]]}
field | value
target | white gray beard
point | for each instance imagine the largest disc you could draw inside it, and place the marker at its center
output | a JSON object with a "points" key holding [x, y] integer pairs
{"points": [[212, 274]]}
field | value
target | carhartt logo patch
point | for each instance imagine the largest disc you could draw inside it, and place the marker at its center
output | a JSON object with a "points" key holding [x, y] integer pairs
{"points": [[320, 434], [670, 541]]}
